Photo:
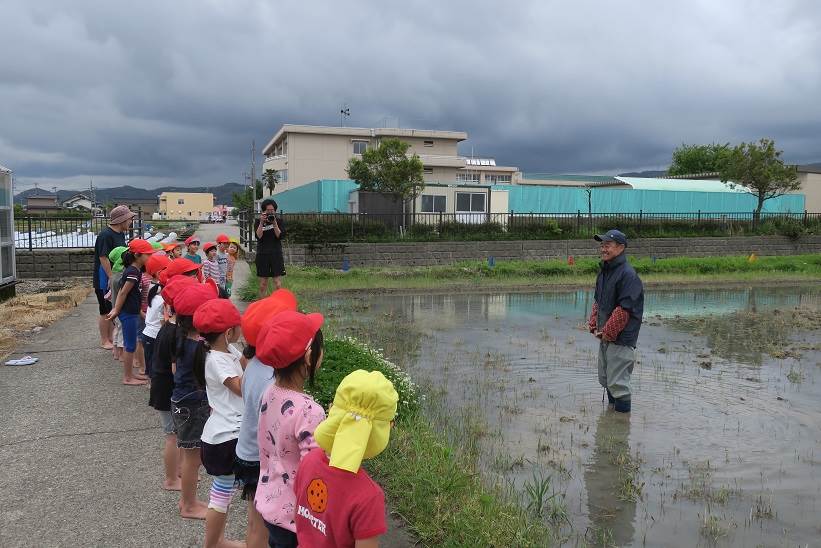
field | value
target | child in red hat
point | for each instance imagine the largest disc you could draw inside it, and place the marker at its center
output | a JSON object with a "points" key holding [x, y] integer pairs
{"points": [[192, 245], [255, 380], [223, 241], [218, 368], [160, 360], [189, 400], [291, 343], [127, 306], [210, 268]]}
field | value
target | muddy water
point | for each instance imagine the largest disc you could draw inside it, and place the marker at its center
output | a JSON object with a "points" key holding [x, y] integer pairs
{"points": [[722, 443]]}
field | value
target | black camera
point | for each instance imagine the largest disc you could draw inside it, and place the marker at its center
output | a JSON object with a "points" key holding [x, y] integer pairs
{"points": [[270, 218]]}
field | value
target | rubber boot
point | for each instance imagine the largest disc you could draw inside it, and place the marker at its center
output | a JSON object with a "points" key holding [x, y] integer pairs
{"points": [[622, 405], [610, 399]]}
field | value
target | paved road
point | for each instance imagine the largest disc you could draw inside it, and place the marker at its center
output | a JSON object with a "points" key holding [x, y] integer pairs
{"points": [[80, 461]]}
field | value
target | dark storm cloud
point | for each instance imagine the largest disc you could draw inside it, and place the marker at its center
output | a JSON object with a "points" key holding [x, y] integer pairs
{"points": [[159, 92]]}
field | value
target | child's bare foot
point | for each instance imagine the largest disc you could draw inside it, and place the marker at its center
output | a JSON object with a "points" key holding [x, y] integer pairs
{"points": [[139, 376], [133, 382], [107, 345], [172, 485], [198, 511]]}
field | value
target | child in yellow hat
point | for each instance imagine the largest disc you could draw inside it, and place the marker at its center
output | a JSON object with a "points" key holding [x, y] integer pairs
{"points": [[338, 504]]}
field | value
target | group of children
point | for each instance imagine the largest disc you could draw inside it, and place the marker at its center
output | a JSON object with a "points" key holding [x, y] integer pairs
{"points": [[245, 416], [132, 329]]}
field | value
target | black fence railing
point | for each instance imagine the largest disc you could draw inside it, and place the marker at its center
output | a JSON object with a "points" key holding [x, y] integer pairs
{"points": [[48, 232], [340, 227]]}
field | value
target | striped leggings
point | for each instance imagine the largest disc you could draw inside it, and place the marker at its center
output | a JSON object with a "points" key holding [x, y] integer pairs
{"points": [[222, 490]]}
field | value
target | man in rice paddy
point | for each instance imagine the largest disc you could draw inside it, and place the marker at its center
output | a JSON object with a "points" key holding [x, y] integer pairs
{"points": [[616, 318]]}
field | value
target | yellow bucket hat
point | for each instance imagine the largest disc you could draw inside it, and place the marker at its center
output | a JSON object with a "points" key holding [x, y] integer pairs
{"points": [[359, 422]]}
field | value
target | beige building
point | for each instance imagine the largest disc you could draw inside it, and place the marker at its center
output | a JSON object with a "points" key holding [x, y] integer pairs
{"points": [[303, 154], [810, 177], [186, 206]]}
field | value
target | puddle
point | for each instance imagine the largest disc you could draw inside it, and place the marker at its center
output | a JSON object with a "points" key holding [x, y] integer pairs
{"points": [[721, 447]]}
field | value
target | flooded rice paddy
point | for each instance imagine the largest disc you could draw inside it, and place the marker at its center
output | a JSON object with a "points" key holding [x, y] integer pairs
{"points": [[721, 447]]}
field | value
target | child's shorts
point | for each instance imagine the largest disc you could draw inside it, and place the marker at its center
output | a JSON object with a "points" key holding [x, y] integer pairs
{"points": [[130, 328], [218, 460], [189, 420], [247, 474], [167, 423], [118, 333]]}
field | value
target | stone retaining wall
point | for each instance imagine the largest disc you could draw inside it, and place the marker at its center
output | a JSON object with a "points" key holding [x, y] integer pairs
{"points": [[433, 253], [55, 263], [62, 263]]}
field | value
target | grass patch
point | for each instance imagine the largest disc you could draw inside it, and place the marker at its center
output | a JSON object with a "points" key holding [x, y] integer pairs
{"points": [[432, 485], [477, 274]]}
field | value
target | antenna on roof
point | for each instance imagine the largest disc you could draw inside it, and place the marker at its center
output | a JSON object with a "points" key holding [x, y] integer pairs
{"points": [[344, 113]]}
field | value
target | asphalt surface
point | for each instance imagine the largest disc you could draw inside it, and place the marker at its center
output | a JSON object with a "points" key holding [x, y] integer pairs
{"points": [[80, 454]]}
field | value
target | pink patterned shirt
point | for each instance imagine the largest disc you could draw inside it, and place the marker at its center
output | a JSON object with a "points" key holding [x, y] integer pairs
{"points": [[287, 420]]}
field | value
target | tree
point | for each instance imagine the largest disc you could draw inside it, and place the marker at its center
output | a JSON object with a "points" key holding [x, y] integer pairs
{"points": [[271, 180], [757, 168], [245, 200], [693, 159], [388, 168]]}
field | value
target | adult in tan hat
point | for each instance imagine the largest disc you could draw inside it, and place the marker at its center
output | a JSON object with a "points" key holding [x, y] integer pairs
{"points": [[119, 221]]}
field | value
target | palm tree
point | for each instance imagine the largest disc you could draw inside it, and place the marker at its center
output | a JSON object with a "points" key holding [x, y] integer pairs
{"points": [[271, 179]]}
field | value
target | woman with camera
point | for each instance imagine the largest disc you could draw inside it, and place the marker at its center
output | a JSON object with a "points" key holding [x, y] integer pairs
{"points": [[270, 231]]}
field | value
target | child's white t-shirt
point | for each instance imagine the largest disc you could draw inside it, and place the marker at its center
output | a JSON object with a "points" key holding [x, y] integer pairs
{"points": [[226, 407], [153, 317]]}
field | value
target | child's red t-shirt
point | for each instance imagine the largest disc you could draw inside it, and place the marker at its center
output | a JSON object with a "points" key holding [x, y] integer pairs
{"points": [[336, 507]]}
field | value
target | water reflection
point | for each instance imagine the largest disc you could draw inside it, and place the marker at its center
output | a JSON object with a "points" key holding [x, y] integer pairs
{"points": [[611, 507], [462, 309]]}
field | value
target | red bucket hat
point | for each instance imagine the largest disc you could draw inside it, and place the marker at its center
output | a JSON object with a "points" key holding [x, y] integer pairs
{"points": [[216, 316], [156, 263], [209, 245], [138, 245], [187, 301], [223, 239], [286, 337], [174, 285], [182, 266], [191, 239], [259, 311]]}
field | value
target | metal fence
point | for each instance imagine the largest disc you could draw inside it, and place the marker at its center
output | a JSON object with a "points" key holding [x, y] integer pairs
{"points": [[49, 232], [336, 227]]}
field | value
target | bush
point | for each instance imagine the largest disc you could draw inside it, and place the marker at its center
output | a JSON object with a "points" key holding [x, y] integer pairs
{"points": [[534, 228], [310, 231]]}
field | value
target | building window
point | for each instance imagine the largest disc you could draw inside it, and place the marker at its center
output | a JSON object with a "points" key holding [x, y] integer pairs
{"points": [[180, 201], [433, 204], [428, 170], [470, 202], [428, 143], [282, 174], [493, 178], [468, 176], [359, 147]]}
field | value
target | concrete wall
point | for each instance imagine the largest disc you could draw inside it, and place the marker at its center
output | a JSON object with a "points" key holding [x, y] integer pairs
{"points": [[62, 263], [432, 253], [55, 263]]}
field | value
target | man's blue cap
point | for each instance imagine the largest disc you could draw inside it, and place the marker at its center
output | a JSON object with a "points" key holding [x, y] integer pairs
{"points": [[612, 236]]}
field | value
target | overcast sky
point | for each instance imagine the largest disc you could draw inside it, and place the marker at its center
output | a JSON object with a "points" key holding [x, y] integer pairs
{"points": [[157, 92]]}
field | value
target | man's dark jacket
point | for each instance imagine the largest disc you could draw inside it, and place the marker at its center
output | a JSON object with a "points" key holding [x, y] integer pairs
{"points": [[618, 285]]}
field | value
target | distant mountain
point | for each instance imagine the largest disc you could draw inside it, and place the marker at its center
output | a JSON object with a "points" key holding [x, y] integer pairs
{"points": [[223, 194], [651, 173]]}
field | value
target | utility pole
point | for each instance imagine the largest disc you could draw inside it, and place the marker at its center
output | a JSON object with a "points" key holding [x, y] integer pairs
{"points": [[91, 192]]}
